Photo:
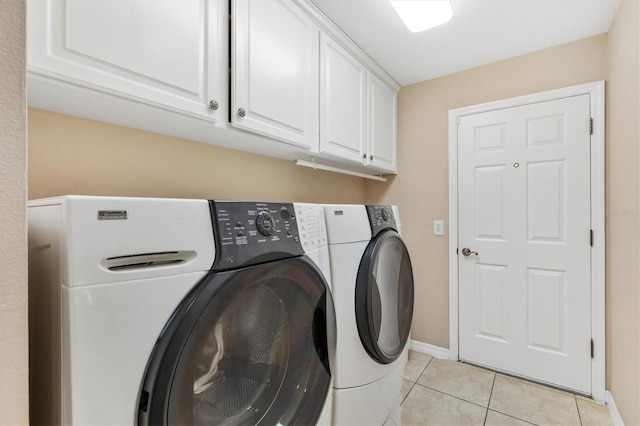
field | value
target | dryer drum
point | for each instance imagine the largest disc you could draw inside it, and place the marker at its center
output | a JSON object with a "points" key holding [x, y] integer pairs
{"points": [[384, 297]]}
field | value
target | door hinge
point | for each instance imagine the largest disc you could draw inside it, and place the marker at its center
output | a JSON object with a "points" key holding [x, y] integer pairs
{"points": [[591, 348], [591, 237], [590, 126]]}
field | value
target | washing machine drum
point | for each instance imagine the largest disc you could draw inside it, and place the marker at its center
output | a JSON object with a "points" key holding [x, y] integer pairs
{"points": [[384, 297], [247, 347]]}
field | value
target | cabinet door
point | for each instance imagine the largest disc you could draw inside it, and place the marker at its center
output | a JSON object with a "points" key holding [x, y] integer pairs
{"points": [[342, 102], [275, 71], [154, 52], [381, 130]]}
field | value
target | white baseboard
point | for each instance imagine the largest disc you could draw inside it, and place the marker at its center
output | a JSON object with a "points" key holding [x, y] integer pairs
{"points": [[425, 348], [613, 410]]}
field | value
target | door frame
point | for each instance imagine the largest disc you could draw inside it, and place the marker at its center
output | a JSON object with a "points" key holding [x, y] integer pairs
{"points": [[596, 91]]}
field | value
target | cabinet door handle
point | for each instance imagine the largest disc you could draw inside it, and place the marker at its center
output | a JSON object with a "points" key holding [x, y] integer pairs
{"points": [[371, 157], [241, 112], [213, 105], [364, 156]]}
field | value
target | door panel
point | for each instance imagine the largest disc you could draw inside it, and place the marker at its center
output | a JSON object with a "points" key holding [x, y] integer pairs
{"points": [[381, 119], [546, 324], [524, 207], [147, 28], [545, 201], [342, 102], [491, 302], [490, 202], [158, 52], [275, 71]]}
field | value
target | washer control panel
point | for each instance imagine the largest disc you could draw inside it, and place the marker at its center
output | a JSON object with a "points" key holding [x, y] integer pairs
{"points": [[248, 233], [381, 217]]}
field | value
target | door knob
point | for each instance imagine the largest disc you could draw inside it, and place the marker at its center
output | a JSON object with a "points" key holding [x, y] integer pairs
{"points": [[467, 252]]}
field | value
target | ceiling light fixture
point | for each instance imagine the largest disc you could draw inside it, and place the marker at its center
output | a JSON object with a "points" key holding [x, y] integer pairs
{"points": [[420, 15]]}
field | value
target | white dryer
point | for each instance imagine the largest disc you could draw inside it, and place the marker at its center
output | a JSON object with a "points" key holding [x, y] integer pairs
{"points": [[372, 286], [159, 311]]}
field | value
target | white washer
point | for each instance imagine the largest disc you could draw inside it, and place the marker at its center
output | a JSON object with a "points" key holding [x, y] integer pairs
{"points": [[372, 286], [138, 315]]}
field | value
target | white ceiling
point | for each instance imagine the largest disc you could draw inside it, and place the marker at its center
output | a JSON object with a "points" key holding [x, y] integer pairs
{"points": [[480, 32]]}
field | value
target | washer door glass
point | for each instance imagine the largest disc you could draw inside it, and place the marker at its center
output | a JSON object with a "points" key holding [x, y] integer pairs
{"points": [[247, 347], [384, 297]]}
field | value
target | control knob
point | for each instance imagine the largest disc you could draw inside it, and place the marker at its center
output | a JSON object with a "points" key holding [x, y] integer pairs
{"points": [[264, 223]]}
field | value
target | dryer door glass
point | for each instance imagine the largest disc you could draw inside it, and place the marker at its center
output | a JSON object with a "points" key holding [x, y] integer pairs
{"points": [[384, 297], [247, 347]]}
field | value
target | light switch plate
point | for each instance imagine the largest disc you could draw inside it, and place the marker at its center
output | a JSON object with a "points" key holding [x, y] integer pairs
{"points": [[438, 227]]}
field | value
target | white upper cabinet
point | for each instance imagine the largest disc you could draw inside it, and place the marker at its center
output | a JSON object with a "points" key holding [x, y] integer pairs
{"points": [[381, 130], [277, 79], [155, 52], [343, 94], [275, 71], [357, 110]]}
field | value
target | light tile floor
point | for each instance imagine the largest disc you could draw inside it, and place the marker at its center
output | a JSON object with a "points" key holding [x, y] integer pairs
{"points": [[441, 392]]}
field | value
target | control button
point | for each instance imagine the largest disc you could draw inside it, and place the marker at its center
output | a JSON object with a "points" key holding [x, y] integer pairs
{"points": [[240, 234], [296, 239], [289, 233], [284, 213], [385, 215], [238, 223]]}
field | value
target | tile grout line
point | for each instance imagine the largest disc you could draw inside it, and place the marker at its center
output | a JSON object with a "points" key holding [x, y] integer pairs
{"points": [[407, 395], [476, 404], [508, 377], [577, 408], [413, 384], [514, 417], [469, 402], [452, 396], [486, 414], [423, 370]]}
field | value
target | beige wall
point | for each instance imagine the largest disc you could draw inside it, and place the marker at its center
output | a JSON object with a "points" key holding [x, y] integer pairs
{"points": [[69, 155], [420, 189], [14, 400], [623, 186]]}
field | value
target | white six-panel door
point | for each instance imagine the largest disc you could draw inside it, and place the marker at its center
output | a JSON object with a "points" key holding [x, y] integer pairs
{"points": [[524, 208]]}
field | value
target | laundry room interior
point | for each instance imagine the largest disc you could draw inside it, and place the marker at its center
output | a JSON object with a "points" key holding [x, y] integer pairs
{"points": [[54, 146]]}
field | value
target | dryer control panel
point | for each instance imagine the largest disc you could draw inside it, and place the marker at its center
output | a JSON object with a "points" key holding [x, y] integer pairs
{"points": [[249, 233], [311, 225], [381, 218]]}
